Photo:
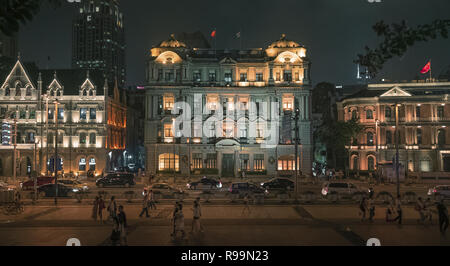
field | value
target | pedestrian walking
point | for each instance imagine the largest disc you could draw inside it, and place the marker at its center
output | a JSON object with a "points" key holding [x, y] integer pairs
{"points": [[246, 204], [112, 209], [443, 216], [398, 206], [428, 210], [95, 208], [115, 234], [101, 206], [371, 208], [122, 220], [197, 213], [145, 205], [420, 208], [174, 217], [389, 212], [363, 208], [151, 200], [179, 222]]}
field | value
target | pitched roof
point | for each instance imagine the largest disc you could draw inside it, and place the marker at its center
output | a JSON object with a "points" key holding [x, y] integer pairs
{"points": [[72, 79]]}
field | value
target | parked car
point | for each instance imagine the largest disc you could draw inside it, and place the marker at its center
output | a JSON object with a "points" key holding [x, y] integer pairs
{"points": [[342, 188], [278, 183], [49, 190], [41, 180], [245, 187], [74, 184], [164, 188], [205, 183], [439, 191], [116, 179]]}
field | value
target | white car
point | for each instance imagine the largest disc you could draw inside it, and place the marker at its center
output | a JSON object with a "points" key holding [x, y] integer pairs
{"points": [[342, 188]]}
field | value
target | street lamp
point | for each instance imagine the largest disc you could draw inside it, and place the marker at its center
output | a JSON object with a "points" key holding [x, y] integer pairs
{"points": [[396, 150], [376, 148], [296, 129], [55, 116], [35, 170]]}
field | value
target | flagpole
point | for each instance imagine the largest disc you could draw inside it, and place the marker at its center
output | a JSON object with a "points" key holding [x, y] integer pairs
{"points": [[430, 71]]}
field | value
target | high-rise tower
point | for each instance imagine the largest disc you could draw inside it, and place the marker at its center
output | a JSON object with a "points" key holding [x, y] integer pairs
{"points": [[98, 38]]}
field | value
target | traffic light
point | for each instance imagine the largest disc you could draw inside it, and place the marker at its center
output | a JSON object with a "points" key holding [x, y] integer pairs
{"points": [[6, 134]]}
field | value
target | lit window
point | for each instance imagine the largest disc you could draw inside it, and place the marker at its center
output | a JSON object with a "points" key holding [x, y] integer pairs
{"points": [[168, 102], [168, 131], [212, 102], [169, 161], [288, 103], [258, 162]]}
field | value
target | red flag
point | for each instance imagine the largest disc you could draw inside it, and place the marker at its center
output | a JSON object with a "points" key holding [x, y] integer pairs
{"points": [[426, 68], [213, 33]]}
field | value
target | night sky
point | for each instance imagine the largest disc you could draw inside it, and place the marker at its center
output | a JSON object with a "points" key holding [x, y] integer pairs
{"points": [[333, 31]]}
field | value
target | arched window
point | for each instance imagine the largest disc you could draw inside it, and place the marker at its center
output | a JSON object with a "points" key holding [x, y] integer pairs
{"points": [[92, 138], [169, 161], [82, 164], [91, 93], [354, 114], [388, 137], [92, 164], [28, 91], [369, 138], [18, 91], [355, 162], [370, 163], [387, 112], [84, 93], [7, 91], [369, 114], [419, 136], [441, 137]]}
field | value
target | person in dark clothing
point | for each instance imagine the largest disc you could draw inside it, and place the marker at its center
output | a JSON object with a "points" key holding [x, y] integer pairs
{"points": [[443, 216], [122, 218], [399, 211]]}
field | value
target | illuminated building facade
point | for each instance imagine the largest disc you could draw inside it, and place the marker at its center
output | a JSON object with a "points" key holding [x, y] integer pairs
{"points": [[236, 109], [424, 126], [91, 124]]}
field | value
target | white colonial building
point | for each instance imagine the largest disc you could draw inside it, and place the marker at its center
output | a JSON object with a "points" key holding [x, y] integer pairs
{"points": [[90, 124], [224, 112]]}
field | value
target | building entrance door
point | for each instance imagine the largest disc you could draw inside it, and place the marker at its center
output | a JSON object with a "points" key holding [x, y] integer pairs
{"points": [[228, 165], [446, 161]]}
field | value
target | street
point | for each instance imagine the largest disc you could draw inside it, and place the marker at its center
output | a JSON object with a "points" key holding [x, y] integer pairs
{"points": [[224, 225]]}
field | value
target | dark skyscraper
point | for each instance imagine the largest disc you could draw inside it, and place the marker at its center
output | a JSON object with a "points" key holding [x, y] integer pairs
{"points": [[98, 39]]}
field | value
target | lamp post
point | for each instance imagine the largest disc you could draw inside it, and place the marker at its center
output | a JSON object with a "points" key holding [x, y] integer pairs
{"points": [[376, 147], [15, 150], [46, 132], [56, 150], [297, 113], [35, 170], [396, 150]]}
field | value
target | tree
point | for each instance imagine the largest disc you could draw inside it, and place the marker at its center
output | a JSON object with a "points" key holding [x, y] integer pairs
{"points": [[338, 134], [397, 39], [16, 12]]}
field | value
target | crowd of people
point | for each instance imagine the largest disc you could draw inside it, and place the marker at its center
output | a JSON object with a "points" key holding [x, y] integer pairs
{"points": [[394, 211]]}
